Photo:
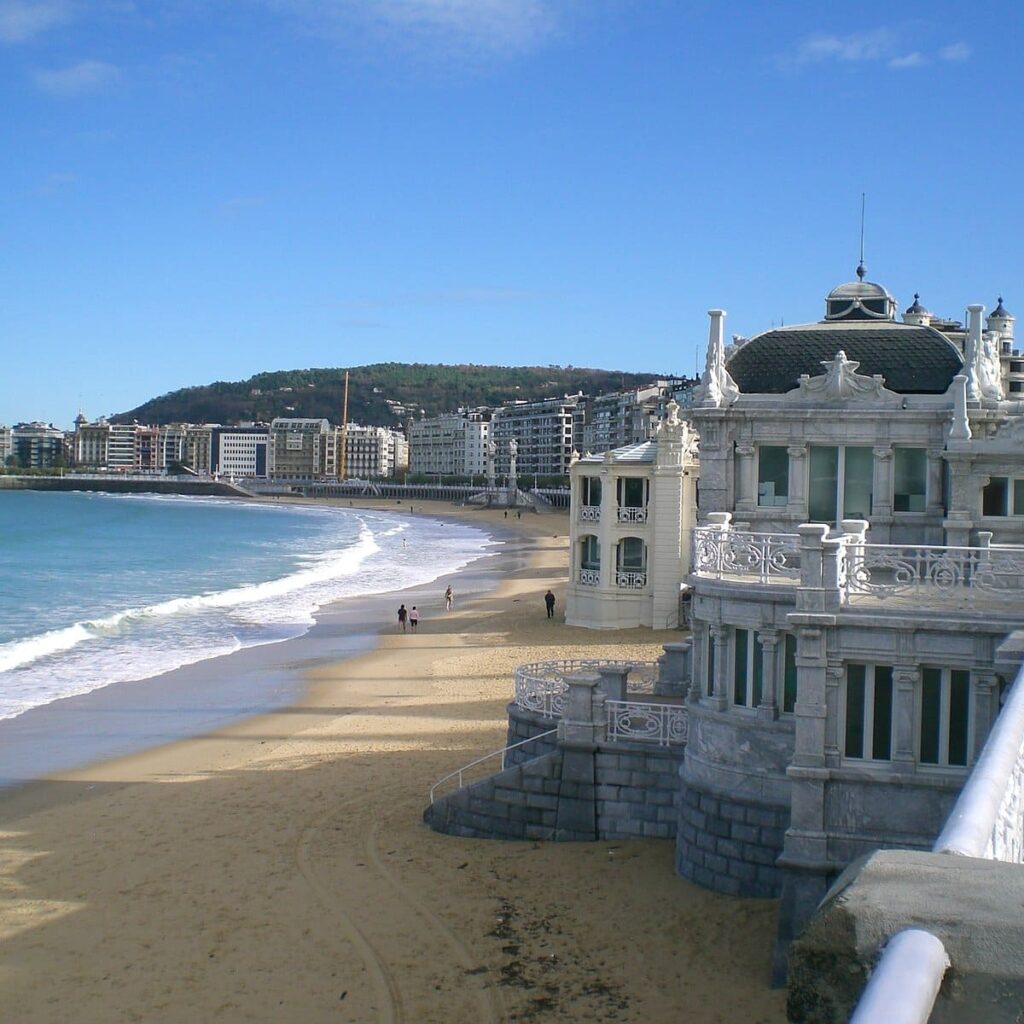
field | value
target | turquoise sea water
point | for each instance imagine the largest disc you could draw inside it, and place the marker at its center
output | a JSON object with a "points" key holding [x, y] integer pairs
{"points": [[98, 588]]}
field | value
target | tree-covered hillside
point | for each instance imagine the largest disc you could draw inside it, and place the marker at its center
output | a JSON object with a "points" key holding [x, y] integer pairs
{"points": [[383, 394]]}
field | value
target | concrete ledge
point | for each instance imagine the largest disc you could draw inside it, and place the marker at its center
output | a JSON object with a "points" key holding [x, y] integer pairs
{"points": [[972, 906]]}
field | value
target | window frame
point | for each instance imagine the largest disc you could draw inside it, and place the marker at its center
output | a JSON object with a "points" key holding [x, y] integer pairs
{"points": [[763, 482], [946, 679], [868, 708], [900, 454], [751, 670], [842, 481]]}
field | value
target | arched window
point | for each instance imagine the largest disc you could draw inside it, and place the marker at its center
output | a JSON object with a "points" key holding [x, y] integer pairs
{"points": [[590, 561], [631, 563]]}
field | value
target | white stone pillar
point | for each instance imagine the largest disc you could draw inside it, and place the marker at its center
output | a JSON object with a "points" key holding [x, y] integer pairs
{"points": [[769, 706], [904, 682], [797, 504], [746, 483], [881, 482]]}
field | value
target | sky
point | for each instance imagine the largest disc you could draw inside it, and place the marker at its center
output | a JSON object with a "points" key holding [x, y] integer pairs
{"points": [[200, 190]]}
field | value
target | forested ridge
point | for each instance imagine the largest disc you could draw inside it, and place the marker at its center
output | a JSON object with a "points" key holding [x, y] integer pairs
{"points": [[382, 394]]}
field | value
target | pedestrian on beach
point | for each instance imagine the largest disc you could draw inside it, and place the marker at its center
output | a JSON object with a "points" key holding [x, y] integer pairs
{"points": [[402, 616], [549, 603], [449, 599], [506, 513], [414, 618]]}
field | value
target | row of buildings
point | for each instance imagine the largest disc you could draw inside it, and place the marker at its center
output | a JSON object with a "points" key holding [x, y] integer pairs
{"points": [[461, 444]]}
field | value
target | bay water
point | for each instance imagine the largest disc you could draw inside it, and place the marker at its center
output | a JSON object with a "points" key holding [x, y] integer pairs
{"points": [[98, 589]]}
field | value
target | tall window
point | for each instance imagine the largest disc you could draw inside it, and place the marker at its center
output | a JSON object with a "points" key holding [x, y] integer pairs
{"points": [[632, 556], [909, 479], [590, 490], [943, 716], [1003, 496], [772, 475], [590, 553], [839, 480], [868, 720], [789, 673], [632, 492], [748, 668]]}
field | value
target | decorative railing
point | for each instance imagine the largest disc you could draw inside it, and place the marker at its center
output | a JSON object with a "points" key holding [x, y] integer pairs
{"points": [[540, 686], [590, 513], [767, 556], [895, 570], [590, 577], [663, 724], [631, 514], [630, 580]]}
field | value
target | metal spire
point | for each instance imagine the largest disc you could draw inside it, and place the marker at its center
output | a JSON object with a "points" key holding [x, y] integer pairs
{"points": [[861, 270]]}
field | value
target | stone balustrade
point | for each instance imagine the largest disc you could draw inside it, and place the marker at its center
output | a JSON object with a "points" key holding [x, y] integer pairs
{"points": [[842, 569]]}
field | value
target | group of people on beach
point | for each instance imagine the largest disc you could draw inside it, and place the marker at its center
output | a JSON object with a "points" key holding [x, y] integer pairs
{"points": [[411, 617]]}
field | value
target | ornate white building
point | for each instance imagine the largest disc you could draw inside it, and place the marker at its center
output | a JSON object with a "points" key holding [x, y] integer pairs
{"points": [[631, 514]]}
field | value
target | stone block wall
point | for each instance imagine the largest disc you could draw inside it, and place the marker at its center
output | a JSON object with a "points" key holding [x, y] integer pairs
{"points": [[633, 795], [637, 791], [523, 725], [730, 845]]}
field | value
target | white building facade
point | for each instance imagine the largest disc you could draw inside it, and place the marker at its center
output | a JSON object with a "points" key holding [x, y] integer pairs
{"points": [[452, 444]]}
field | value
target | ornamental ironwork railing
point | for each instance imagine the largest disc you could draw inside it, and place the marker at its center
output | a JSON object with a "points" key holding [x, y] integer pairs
{"points": [[769, 557], [590, 513], [663, 724], [631, 514], [628, 579], [590, 577], [895, 570], [540, 686]]}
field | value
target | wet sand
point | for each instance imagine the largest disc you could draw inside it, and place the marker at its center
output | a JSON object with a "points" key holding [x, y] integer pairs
{"points": [[277, 869]]}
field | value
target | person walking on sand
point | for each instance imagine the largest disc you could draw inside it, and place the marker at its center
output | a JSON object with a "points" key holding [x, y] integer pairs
{"points": [[549, 603], [402, 616], [414, 618], [449, 599]]}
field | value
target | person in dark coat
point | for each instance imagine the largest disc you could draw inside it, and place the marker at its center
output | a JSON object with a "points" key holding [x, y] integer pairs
{"points": [[549, 603], [402, 616]]}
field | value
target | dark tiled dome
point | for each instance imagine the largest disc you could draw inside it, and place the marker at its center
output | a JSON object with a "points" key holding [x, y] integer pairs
{"points": [[911, 359]]}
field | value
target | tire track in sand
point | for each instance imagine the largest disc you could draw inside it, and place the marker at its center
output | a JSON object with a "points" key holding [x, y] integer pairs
{"points": [[418, 928]]}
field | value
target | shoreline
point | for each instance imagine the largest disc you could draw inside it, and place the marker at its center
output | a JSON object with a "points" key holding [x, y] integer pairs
{"points": [[279, 869], [132, 716]]}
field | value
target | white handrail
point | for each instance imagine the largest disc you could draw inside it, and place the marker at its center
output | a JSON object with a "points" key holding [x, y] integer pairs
{"points": [[906, 981], [480, 760]]}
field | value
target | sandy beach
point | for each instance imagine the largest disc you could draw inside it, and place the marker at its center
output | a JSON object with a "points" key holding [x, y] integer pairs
{"points": [[278, 869]]}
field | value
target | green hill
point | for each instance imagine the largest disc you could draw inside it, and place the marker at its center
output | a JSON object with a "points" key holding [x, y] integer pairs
{"points": [[383, 394]]}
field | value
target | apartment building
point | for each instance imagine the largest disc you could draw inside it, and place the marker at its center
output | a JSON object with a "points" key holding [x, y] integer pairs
{"points": [[239, 451], [546, 432], [38, 445], [302, 448], [452, 444]]}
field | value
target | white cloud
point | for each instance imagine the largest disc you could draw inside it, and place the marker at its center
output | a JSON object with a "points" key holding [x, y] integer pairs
{"points": [[438, 28], [84, 77], [908, 60], [859, 46], [54, 183], [881, 45], [955, 52], [20, 20]]}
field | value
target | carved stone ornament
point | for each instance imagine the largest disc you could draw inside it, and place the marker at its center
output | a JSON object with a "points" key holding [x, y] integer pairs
{"points": [[716, 388], [841, 383]]}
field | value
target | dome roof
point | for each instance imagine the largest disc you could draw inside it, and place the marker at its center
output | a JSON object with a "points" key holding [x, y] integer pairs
{"points": [[1000, 310], [911, 359], [916, 307], [860, 300]]}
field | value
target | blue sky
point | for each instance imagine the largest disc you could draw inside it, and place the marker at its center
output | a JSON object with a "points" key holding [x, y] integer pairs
{"points": [[197, 190]]}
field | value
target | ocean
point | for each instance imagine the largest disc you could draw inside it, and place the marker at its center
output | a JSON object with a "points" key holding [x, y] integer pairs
{"points": [[98, 589]]}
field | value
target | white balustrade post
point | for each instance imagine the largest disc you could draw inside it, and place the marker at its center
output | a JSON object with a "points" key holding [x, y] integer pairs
{"points": [[811, 594]]}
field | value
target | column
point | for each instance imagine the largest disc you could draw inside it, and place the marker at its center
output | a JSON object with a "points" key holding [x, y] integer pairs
{"points": [[881, 483], [985, 708], [833, 693], [746, 484], [904, 680], [934, 492], [720, 692], [769, 706], [797, 504], [811, 699], [606, 527]]}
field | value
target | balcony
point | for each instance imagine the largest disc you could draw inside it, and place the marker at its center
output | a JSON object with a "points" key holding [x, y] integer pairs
{"points": [[590, 513], [850, 572], [631, 579], [590, 577], [632, 514]]}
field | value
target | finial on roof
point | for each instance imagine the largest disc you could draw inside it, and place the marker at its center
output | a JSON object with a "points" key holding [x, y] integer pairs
{"points": [[861, 270]]}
